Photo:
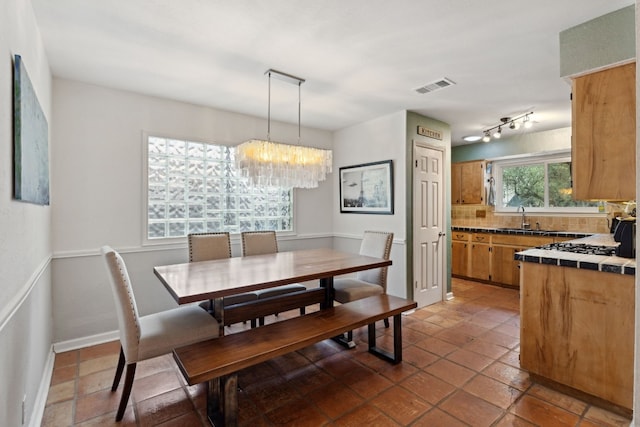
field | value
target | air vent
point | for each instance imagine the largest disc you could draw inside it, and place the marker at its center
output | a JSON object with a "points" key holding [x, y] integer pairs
{"points": [[434, 86]]}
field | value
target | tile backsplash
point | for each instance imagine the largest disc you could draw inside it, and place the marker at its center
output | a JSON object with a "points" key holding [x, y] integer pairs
{"points": [[484, 216]]}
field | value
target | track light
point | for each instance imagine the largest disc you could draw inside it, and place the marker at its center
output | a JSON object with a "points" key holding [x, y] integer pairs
{"points": [[514, 123]]}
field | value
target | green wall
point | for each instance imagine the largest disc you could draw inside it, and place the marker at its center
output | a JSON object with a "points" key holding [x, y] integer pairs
{"points": [[522, 143]]}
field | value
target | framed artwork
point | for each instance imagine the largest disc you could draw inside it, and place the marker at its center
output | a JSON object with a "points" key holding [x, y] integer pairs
{"points": [[30, 140], [367, 188]]}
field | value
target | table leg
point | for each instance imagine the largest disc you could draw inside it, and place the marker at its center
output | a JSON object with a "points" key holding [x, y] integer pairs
{"points": [[218, 312], [222, 401], [396, 356], [329, 293]]}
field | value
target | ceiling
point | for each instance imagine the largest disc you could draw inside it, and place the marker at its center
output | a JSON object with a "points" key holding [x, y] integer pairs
{"points": [[361, 59]]}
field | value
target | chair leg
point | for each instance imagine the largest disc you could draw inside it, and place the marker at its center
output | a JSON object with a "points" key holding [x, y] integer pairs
{"points": [[303, 311], [119, 369], [386, 322], [128, 384]]}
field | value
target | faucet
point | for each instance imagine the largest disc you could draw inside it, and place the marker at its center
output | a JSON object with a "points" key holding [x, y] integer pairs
{"points": [[525, 225]]}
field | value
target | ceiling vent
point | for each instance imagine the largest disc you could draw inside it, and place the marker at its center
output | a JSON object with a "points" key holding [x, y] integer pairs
{"points": [[434, 86]]}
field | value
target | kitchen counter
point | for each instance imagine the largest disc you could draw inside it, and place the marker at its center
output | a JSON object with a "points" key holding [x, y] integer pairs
{"points": [[602, 263], [521, 232]]}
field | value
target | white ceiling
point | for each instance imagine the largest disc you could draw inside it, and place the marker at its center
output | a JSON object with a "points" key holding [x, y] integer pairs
{"points": [[361, 59]]}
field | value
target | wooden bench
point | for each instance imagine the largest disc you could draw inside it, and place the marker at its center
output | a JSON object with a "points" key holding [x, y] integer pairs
{"points": [[217, 361]]}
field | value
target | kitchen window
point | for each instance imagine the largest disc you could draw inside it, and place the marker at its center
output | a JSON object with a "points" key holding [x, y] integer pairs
{"points": [[540, 183], [194, 187]]}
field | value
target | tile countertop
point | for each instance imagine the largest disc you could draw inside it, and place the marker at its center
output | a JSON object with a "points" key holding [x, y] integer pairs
{"points": [[521, 232], [606, 264]]}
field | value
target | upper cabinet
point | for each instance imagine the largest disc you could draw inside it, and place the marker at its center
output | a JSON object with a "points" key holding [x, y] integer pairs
{"points": [[467, 182], [604, 134]]}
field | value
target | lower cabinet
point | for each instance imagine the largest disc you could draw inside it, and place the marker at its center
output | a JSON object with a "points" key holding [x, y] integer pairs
{"points": [[490, 257]]}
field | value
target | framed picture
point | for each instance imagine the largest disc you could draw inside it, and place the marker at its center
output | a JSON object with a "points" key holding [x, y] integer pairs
{"points": [[367, 188], [31, 132]]}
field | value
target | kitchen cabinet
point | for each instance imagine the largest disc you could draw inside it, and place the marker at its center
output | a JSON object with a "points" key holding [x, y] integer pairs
{"points": [[577, 330], [467, 182], [460, 255], [480, 252], [505, 270], [604, 134]]}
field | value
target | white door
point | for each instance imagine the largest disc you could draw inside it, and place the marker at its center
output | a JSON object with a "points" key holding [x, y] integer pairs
{"points": [[428, 225]]}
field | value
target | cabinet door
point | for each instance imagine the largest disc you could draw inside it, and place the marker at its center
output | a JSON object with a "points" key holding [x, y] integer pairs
{"points": [[604, 134], [455, 183], [479, 261], [472, 183], [460, 258], [504, 269]]}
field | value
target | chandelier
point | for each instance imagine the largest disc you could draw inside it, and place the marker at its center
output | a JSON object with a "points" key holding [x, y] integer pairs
{"points": [[270, 163]]}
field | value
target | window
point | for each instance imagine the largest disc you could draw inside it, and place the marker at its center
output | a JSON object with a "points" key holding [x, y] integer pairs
{"points": [[194, 187], [539, 183]]}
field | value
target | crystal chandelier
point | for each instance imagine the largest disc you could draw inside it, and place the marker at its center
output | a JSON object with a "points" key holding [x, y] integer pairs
{"points": [[271, 163]]}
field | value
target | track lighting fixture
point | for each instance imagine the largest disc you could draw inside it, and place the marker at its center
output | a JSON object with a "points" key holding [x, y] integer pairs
{"points": [[513, 123]]}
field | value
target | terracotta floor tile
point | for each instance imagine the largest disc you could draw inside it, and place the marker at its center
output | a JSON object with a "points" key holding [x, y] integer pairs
{"points": [[337, 365], [483, 322], [334, 399], [450, 372], [437, 346], [428, 387], [558, 399], [153, 366], [306, 379], [256, 374], [587, 423], [492, 391], [98, 403], [469, 359], [271, 393], [543, 413], [495, 314], [512, 358], [66, 358], [438, 418], [366, 382], [98, 364], [190, 419], [401, 405], [486, 348], [321, 350], [418, 357], [365, 415], [498, 338], [96, 381], [289, 362], [59, 414], [64, 374], [61, 392], [470, 409], [508, 375], [153, 385], [397, 373], [455, 336], [425, 328], [107, 349], [164, 407], [510, 420], [607, 418], [507, 329], [109, 419], [297, 413]]}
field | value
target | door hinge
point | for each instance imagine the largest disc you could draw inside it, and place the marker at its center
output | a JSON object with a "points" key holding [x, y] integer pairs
{"points": [[416, 163], [416, 284]]}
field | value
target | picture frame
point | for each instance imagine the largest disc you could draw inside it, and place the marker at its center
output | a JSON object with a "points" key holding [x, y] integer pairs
{"points": [[367, 188]]}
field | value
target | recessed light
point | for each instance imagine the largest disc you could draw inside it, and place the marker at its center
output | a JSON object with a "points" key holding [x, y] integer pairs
{"points": [[472, 138]]}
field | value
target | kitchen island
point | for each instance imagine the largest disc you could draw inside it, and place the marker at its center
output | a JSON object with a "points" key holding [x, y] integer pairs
{"points": [[577, 322]]}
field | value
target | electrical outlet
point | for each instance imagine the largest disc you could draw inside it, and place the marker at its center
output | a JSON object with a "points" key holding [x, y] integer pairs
{"points": [[24, 400]]}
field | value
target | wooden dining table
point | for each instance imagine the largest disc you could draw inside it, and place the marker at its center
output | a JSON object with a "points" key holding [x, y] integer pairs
{"points": [[216, 279]]}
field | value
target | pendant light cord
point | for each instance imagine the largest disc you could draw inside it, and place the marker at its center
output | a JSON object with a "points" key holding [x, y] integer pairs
{"points": [[269, 110]]}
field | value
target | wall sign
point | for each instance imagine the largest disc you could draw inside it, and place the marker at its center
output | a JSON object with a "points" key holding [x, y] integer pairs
{"points": [[431, 133]]}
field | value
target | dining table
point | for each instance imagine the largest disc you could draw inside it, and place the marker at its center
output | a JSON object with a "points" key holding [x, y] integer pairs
{"points": [[216, 279]]}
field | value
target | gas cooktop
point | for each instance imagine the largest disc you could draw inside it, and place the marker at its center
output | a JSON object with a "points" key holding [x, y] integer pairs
{"points": [[581, 248]]}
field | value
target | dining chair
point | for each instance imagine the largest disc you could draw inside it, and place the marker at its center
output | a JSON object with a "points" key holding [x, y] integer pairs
{"points": [[265, 242], [367, 282], [211, 246], [145, 337]]}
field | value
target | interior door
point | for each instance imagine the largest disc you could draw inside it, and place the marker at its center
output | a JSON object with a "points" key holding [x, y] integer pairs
{"points": [[429, 244]]}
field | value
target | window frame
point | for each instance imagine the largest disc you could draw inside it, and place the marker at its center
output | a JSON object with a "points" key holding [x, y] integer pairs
{"points": [[546, 158], [171, 241]]}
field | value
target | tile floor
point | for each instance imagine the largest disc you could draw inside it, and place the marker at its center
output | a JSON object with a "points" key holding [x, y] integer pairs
{"points": [[460, 368]]}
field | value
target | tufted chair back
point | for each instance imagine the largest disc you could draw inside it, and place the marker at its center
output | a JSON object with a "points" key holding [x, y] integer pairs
{"points": [[376, 244], [259, 242], [208, 246]]}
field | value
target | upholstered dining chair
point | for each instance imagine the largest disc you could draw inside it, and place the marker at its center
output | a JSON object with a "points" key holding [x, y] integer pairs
{"points": [[145, 337], [210, 246], [368, 282], [265, 242]]}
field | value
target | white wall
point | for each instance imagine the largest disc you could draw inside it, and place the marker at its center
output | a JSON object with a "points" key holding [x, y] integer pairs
{"points": [[376, 140], [97, 177], [25, 248]]}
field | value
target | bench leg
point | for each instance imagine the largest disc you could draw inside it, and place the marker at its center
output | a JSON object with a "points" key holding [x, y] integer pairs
{"points": [[396, 356], [347, 341], [222, 401]]}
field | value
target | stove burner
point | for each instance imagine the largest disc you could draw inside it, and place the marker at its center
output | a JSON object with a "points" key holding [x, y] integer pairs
{"points": [[581, 248]]}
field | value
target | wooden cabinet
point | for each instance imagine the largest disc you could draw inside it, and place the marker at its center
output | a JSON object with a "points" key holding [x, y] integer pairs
{"points": [[604, 134], [480, 252], [577, 330], [460, 253], [467, 182], [504, 268]]}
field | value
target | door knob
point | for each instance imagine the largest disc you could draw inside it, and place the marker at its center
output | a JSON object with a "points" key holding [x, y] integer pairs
{"points": [[440, 234]]}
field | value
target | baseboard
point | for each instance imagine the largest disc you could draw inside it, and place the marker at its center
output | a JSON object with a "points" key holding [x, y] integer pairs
{"points": [[83, 342], [449, 296], [35, 420]]}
